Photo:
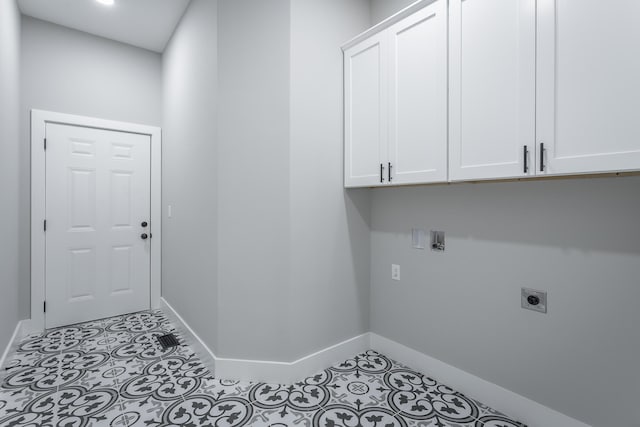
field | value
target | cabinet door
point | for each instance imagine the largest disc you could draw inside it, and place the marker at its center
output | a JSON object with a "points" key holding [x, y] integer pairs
{"points": [[492, 89], [418, 97], [365, 80], [588, 90]]}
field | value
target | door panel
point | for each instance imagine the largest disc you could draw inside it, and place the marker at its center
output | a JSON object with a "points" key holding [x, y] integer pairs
{"points": [[121, 268], [81, 282], [121, 199], [97, 194], [82, 199], [588, 92], [418, 96], [365, 111], [492, 88]]}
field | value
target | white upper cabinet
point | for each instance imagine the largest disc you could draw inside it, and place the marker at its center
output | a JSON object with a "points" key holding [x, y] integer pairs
{"points": [[588, 95], [396, 102], [418, 97], [492, 87], [365, 79], [465, 90]]}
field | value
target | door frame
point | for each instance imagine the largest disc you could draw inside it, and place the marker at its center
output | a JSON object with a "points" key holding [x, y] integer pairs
{"points": [[39, 120]]}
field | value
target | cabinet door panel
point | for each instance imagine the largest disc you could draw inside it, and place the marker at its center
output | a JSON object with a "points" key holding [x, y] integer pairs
{"points": [[365, 111], [588, 91], [418, 96], [492, 88]]}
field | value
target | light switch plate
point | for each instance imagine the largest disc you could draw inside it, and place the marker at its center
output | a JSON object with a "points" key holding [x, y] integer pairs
{"points": [[532, 299]]}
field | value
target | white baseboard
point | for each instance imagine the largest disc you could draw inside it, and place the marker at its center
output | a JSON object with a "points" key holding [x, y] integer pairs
{"points": [[18, 333], [289, 372], [190, 337], [264, 370], [532, 413], [514, 405], [28, 327]]}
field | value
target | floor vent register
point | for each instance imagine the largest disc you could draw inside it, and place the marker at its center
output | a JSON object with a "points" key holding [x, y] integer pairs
{"points": [[168, 340]]}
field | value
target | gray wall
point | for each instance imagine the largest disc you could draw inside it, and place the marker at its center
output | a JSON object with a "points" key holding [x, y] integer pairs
{"points": [[329, 226], [189, 256], [9, 189], [69, 71], [382, 9], [576, 239], [253, 170], [276, 236]]}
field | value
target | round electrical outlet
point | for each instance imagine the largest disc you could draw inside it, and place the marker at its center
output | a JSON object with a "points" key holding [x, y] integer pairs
{"points": [[533, 300]]}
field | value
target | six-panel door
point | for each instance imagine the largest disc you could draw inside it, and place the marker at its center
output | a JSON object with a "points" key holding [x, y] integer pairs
{"points": [[492, 89], [418, 97], [365, 77], [97, 197], [588, 86]]}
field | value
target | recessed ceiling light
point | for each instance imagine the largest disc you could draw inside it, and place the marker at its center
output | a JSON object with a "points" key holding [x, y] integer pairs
{"points": [[106, 2]]}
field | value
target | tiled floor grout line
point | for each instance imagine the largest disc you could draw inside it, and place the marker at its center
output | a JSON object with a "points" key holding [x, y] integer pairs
{"points": [[122, 408], [117, 381], [59, 370]]}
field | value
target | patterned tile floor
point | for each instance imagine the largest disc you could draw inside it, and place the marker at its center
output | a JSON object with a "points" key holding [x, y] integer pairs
{"points": [[112, 372]]}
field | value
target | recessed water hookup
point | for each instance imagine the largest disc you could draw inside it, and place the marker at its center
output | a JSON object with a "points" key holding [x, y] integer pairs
{"points": [[437, 241]]}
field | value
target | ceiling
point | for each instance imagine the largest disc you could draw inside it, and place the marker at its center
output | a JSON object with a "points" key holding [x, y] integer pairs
{"points": [[143, 23]]}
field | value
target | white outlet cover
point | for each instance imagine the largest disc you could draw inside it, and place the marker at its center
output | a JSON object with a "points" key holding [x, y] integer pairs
{"points": [[395, 271]]}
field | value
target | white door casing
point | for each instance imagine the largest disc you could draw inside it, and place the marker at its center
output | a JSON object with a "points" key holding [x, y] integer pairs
{"points": [[95, 184], [588, 95], [418, 97], [98, 196], [492, 89]]}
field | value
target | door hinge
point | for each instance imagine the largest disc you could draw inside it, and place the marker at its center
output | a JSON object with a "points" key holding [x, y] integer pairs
{"points": [[45, 143], [45, 307], [45, 225]]}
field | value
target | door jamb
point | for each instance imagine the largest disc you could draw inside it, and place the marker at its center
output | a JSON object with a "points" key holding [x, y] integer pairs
{"points": [[39, 120]]}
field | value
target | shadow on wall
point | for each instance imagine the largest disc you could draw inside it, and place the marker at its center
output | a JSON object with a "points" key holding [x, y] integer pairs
{"points": [[590, 215]]}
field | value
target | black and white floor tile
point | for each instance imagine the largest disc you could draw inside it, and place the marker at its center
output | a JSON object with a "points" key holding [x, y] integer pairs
{"points": [[113, 373]]}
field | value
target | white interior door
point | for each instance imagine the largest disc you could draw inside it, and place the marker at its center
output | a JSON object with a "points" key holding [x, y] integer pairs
{"points": [[492, 89], [588, 91], [97, 198], [365, 79], [418, 97]]}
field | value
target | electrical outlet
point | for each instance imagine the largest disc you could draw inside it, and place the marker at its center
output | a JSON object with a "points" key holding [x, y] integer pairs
{"points": [[395, 271], [532, 299]]}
